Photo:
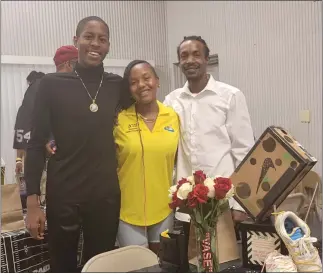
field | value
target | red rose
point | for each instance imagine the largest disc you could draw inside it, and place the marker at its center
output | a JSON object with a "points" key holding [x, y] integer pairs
{"points": [[191, 200], [199, 177], [181, 181], [175, 201], [221, 187], [200, 192], [197, 196]]}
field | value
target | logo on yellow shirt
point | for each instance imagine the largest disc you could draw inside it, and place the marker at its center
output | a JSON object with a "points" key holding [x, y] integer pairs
{"points": [[132, 127], [169, 128]]}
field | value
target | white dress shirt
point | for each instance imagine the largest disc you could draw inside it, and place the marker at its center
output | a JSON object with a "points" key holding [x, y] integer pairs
{"points": [[216, 132]]}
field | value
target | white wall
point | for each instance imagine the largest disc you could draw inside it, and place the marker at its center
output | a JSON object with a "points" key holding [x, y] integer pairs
{"points": [[271, 50], [38, 28]]}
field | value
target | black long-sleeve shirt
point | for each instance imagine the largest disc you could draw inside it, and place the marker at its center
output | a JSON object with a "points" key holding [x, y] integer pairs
{"points": [[24, 117], [85, 166]]}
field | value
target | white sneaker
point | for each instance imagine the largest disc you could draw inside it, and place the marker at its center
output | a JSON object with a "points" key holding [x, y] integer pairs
{"points": [[296, 235], [276, 262]]}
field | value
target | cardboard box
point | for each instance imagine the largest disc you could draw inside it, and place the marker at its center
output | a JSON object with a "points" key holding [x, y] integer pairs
{"points": [[11, 208], [258, 240], [269, 172]]}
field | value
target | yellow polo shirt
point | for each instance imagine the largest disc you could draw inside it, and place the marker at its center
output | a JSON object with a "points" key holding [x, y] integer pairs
{"points": [[146, 177]]}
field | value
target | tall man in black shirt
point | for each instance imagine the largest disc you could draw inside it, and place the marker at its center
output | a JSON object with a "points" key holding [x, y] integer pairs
{"points": [[82, 183]]}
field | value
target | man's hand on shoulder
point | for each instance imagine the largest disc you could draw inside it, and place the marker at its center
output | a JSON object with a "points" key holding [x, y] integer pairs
{"points": [[51, 147]]}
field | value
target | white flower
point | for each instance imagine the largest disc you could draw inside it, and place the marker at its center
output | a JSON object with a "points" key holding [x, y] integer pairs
{"points": [[230, 193], [191, 179], [209, 183], [184, 190], [172, 190]]}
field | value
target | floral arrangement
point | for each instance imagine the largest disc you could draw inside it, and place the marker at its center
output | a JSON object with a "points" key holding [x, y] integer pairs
{"points": [[205, 198]]}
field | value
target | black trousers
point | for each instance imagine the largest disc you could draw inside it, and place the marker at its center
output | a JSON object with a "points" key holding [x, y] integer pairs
{"points": [[99, 221]]}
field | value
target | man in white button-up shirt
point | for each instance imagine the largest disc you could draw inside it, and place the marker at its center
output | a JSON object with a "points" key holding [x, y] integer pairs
{"points": [[216, 132]]}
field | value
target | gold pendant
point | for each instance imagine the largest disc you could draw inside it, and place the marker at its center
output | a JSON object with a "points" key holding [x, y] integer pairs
{"points": [[94, 107]]}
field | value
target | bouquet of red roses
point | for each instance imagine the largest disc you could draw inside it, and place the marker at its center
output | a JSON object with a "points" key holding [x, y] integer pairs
{"points": [[206, 198]]}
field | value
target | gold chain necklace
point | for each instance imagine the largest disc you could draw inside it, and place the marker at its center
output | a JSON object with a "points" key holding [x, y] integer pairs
{"points": [[93, 107], [148, 120]]}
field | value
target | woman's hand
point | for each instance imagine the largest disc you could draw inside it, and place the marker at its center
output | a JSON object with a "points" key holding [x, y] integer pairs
{"points": [[51, 147], [18, 167]]}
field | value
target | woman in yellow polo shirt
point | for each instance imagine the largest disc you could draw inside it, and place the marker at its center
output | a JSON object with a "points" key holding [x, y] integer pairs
{"points": [[146, 136]]}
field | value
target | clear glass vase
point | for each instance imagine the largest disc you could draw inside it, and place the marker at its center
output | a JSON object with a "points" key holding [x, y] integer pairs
{"points": [[207, 247]]}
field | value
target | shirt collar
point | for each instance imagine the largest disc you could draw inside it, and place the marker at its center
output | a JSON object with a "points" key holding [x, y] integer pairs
{"points": [[163, 110], [211, 86]]}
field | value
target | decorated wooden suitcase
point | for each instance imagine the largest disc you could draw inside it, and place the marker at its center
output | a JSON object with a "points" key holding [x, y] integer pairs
{"points": [[270, 171]]}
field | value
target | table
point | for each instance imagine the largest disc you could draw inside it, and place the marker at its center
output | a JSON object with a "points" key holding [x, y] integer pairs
{"points": [[234, 266], [229, 267]]}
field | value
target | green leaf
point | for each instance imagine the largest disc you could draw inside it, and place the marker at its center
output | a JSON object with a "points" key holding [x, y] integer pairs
{"points": [[223, 207], [214, 245], [208, 215], [198, 216]]}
